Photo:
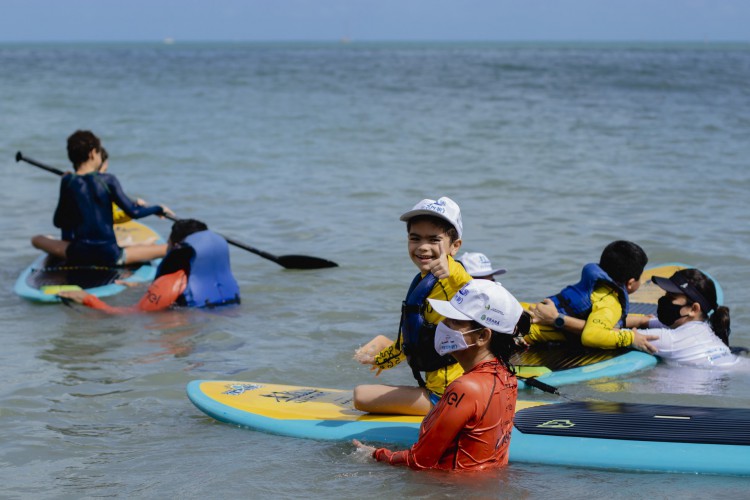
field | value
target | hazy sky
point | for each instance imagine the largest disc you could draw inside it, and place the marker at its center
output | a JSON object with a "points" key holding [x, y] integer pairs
{"points": [[183, 20]]}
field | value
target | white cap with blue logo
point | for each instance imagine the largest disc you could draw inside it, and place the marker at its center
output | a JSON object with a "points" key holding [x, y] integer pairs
{"points": [[486, 302], [478, 265], [443, 207]]}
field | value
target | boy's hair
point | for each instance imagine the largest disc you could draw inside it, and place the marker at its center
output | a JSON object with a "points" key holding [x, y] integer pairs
{"points": [[623, 261], [80, 144], [443, 224], [105, 155], [183, 228]]}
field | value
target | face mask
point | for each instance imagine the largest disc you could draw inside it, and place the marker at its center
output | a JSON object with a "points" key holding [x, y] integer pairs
{"points": [[668, 313], [448, 341]]}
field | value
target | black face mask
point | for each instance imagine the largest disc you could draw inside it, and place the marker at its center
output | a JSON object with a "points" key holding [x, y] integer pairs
{"points": [[668, 313]]}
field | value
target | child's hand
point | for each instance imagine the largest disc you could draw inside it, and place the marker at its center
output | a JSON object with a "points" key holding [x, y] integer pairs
{"points": [[74, 295], [641, 342], [439, 267], [363, 447], [544, 313], [366, 354]]}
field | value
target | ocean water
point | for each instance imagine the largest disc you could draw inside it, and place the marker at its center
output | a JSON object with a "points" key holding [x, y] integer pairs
{"points": [[551, 150]]}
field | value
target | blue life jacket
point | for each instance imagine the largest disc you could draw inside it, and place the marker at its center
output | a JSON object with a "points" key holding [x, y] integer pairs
{"points": [[419, 336], [575, 300], [210, 282]]}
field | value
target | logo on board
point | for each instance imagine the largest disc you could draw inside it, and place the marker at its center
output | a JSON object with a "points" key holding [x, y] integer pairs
{"points": [[557, 424]]}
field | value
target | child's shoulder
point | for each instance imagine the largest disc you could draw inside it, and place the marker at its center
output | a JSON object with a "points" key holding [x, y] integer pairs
{"points": [[457, 270], [607, 292]]}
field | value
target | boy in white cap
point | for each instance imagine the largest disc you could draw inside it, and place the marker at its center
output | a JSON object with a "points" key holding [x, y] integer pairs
{"points": [[434, 230], [479, 266], [470, 428]]}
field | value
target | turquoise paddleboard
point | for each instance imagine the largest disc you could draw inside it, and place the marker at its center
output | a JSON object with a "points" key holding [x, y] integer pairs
{"points": [[602, 435], [46, 277]]}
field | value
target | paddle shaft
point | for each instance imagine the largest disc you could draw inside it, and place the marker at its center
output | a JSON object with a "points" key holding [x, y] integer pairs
{"points": [[287, 261], [533, 382], [238, 244]]}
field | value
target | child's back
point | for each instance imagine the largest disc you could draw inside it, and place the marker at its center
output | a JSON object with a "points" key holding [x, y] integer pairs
{"points": [[595, 309]]}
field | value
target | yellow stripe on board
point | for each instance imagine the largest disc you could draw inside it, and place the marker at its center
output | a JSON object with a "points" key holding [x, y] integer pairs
{"points": [[289, 402], [134, 233], [649, 293]]}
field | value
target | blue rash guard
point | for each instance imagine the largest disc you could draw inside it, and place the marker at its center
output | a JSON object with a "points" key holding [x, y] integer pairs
{"points": [[84, 213], [204, 257]]}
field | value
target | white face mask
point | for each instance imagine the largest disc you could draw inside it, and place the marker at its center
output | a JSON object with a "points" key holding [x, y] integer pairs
{"points": [[448, 341]]}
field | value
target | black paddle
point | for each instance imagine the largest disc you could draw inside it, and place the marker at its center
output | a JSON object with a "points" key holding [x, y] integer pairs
{"points": [[533, 382], [286, 261]]}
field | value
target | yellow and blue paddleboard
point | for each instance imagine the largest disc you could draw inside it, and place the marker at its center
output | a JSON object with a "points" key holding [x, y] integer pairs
{"points": [[46, 277], [304, 412], [558, 365], [582, 434]]}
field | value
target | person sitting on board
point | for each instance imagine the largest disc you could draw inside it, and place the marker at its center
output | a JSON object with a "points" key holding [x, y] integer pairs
{"points": [[470, 427], [594, 311], [479, 266], [118, 215], [195, 273], [691, 328], [434, 229], [84, 212]]}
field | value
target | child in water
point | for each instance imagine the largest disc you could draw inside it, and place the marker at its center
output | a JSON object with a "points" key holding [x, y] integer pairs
{"points": [[434, 229], [195, 273], [470, 428], [690, 328]]}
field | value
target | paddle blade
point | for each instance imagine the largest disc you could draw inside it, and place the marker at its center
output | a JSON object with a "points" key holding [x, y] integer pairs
{"points": [[304, 262]]}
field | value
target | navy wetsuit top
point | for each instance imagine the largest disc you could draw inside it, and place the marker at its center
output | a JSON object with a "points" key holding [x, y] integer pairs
{"points": [[84, 213]]}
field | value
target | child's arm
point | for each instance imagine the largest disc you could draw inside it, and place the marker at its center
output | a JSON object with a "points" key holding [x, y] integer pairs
{"points": [[162, 293], [600, 325], [132, 209], [545, 313], [600, 328], [637, 321]]}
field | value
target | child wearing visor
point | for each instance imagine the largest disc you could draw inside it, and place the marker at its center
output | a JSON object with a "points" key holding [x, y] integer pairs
{"points": [[691, 327]]}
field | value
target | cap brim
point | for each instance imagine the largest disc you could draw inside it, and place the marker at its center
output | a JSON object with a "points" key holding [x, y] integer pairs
{"points": [[482, 274], [667, 285], [445, 308], [413, 213]]}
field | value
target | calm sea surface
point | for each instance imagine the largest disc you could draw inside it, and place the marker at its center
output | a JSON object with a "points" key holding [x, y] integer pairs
{"points": [[552, 151]]}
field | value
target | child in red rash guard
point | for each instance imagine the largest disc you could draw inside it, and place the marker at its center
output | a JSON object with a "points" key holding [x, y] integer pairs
{"points": [[184, 264], [471, 425]]}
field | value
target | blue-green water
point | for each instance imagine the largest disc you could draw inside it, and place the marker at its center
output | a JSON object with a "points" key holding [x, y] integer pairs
{"points": [[552, 151]]}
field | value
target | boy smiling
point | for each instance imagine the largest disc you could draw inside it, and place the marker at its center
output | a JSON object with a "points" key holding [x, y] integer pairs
{"points": [[434, 229]]}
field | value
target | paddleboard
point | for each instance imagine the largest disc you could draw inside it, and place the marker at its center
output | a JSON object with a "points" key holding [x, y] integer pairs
{"points": [[47, 276], [563, 364], [592, 435]]}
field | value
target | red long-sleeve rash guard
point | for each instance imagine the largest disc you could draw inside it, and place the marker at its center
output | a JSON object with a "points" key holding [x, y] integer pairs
{"points": [[162, 293], [469, 428]]}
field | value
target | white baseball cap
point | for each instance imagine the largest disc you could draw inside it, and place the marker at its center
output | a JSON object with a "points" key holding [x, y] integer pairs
{"points": [[486, 302], [444, 207], [478, 265]]}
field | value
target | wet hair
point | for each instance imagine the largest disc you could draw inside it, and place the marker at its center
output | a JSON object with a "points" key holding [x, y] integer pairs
{"points": [[184, 228], [623, 261], [80, 145], [719, 318], [503, 345], [443, 224]]}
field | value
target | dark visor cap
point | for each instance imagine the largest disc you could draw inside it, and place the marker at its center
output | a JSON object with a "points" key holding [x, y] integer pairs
{"points": [[679, 285]]}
